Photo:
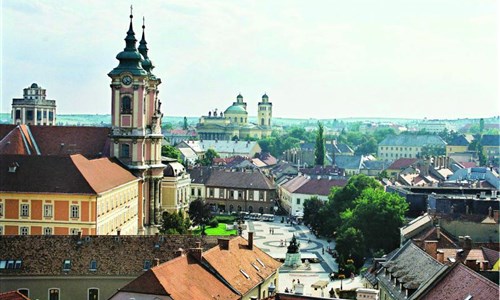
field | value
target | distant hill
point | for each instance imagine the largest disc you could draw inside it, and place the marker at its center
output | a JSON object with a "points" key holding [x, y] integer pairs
{"points": [[105, 120]]}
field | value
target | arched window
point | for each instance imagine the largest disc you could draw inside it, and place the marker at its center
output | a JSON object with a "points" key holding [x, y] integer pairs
{"points": [[261, 210], [262, 121], [241, 119], [239, 207], [235, 119], [54, 294], [250, 209], [93, 294], [231, 208], [126, 105]]}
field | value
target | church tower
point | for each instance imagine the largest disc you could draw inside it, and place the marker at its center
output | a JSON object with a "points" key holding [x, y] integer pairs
{"points": [[265, 112], [136, 124]]}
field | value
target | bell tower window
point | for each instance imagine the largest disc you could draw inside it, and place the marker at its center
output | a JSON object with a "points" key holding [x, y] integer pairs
{"points": [[126, 107], [125, 150]]}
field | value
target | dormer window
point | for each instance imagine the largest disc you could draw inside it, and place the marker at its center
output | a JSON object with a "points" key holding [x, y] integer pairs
{"points": [[126, 105], [147, 265], [245, 274], [93, 265], [67, 265], [256, 268]]}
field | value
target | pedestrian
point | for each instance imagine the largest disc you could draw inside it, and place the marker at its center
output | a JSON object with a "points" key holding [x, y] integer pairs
{"points": [[287, 290], [298, 281], [269, 230], [323, 250]]}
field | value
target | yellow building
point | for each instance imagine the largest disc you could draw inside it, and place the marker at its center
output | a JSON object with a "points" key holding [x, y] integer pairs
{"points": [[234, 122], [175, 187], [61, 195], [459, 145]]}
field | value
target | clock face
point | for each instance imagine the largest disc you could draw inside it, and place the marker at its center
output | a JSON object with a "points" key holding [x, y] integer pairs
{"points": [[127, 80]]}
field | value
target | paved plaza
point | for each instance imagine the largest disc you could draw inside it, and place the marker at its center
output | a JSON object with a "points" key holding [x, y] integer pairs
{"points": [[274, 238]]}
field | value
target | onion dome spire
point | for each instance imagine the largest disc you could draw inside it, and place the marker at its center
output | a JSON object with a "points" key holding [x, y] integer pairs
{"points": [[129, 58], [143, 49]]}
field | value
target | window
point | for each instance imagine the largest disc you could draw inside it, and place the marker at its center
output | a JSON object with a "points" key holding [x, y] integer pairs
{"points": [[51, 115], [261, 196], [1, 209], [298, 200], [93, 294], [24, 230], [18, 114], [47, 210], [147, 265], [125, 150], [74, 231], [29, 115], [211, 192], [240, 195], [93, 265], [53, 294], [250, 195], [39, 115], [67, 265], [25, 210], [192, 192], [1, 230], [24, 292], [75, 211], [17, 264], [47, 231], [45, 114], [126, 105]]}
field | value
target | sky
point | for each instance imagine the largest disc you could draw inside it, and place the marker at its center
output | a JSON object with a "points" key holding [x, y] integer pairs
{"points": [[322, 59]]}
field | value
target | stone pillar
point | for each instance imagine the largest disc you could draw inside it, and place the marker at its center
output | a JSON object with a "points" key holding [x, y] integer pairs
{"points": [[35, 117], [157, 200], [23, 115]]}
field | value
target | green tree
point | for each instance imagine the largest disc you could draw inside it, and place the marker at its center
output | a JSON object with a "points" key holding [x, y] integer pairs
{"points": [[350, 243], [312, 208], [174, 223], [208, 158], [377, 214], [367, 147], [481, 126], [171, 152], [319, 152], [199, 213], [429, 150], [382, 133]]}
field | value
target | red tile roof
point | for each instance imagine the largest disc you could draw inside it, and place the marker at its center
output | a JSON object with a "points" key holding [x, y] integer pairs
{"points": [[321, 186], [61, 174], [181, 278], [13, 143], [459, 282], [91, 142], [402, 163], [13, 295], [102, 174], [230, 264]]}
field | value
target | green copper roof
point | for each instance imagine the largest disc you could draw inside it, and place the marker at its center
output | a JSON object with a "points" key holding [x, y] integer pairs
{"points": [[143, 49], [130, 58], [235, 109]]}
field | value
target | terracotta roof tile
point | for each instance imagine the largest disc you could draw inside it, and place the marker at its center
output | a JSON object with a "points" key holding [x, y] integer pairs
{"points": [[239, 179], [102, 174], [91, 142], [13, 143], [182, 278], [13, 295], [402, 163], [230, 264], [321, 186]]}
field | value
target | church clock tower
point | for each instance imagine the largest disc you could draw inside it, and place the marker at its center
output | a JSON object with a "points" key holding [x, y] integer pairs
{"points": [[265, 115], [136, 124]]}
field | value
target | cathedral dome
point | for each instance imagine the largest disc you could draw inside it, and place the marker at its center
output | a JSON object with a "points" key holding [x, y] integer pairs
{"points": [[235, 109], [34, 86]]}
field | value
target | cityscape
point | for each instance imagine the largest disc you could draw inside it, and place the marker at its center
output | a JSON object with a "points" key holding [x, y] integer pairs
{"points": [[226, 173]]}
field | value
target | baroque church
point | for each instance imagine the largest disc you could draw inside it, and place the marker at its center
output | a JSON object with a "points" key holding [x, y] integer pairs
{"points": [[233, 122], [136, 122]]}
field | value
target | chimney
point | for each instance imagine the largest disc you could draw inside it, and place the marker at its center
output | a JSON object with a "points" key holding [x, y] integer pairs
{"points": [[467, 243], [431, 248], [197, 252], [179, 252], [79, 235], [250, 240], [471, 263], [440, 256], [157, 262], [223, 243], [438, 232], [118, 231]]}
